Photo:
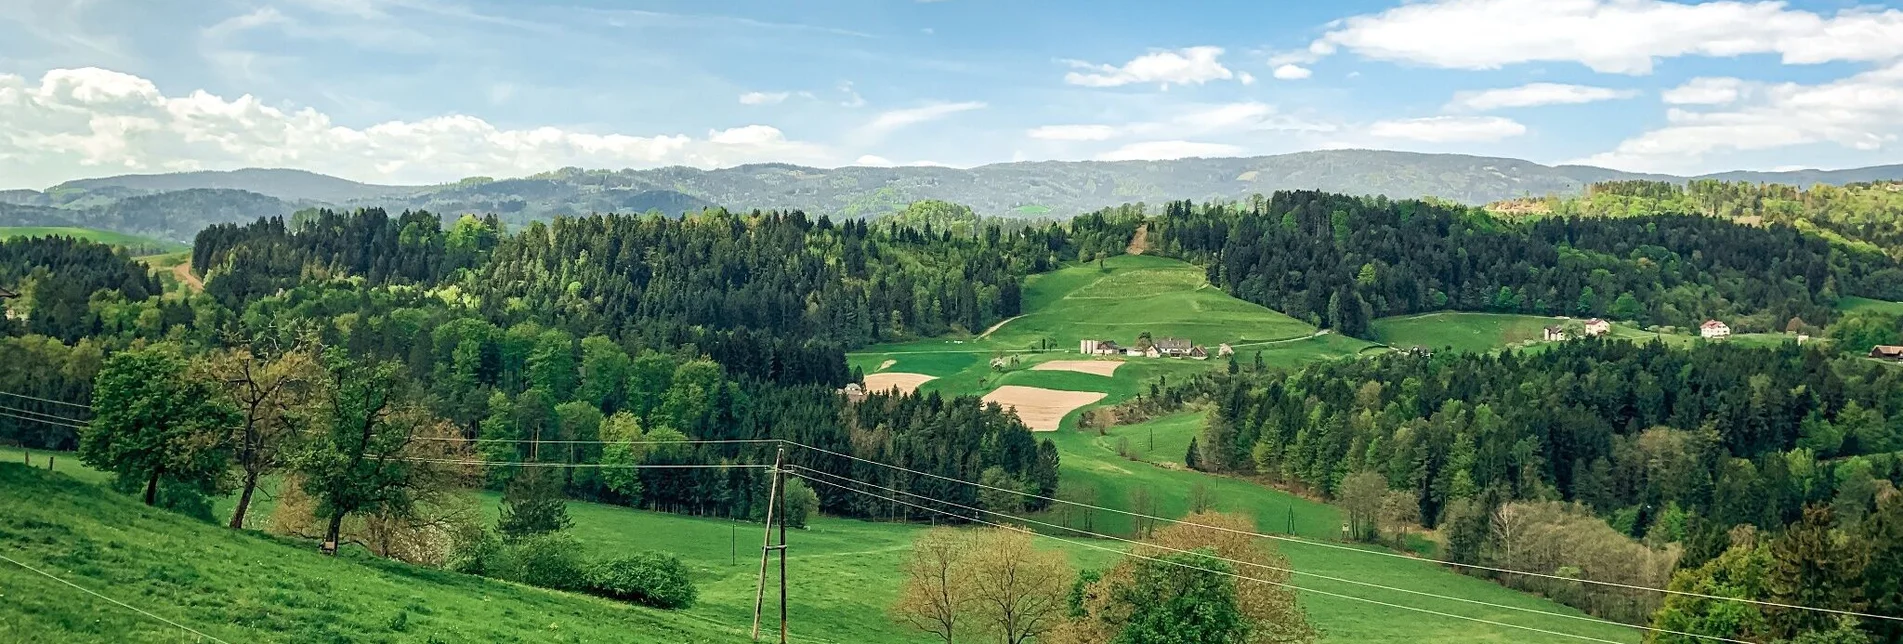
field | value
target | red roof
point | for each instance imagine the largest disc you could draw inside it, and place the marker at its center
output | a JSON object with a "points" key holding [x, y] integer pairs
{"points": [[1712, 324]]}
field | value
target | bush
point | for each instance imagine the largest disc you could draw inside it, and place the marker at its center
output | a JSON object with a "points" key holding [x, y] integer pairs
{"points": [[476, 551], [548, 561], [646, 578]]}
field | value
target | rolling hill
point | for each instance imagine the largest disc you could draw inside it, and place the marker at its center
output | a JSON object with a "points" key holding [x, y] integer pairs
{"points": [[1036, 189]]}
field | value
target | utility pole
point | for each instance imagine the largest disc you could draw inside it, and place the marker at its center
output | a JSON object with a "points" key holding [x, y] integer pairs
{"points": [[774, 506]]}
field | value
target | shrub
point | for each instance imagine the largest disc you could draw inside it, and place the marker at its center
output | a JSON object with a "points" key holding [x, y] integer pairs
{"points": [[476, 551], [647, 578], [548, 561]]}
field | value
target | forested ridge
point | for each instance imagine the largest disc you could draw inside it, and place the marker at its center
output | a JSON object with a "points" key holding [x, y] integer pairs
{"points": [[1341, 261], [1868, 212]]}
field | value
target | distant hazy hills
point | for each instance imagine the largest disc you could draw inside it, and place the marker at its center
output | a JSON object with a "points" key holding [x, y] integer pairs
{"points": [[175, 206]]}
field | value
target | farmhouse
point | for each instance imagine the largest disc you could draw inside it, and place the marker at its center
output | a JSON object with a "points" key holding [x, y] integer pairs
{"points": [[1555, 334], [1887, 352], [1174, 347], [1596, 327], [1134, 352], [1197, 353], [854, 392], [1713, 329], [1100, 348]]}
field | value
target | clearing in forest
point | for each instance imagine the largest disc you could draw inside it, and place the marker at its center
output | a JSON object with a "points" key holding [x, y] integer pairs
{"points": [[1106, 368], [1041, 409], [904, 382]]}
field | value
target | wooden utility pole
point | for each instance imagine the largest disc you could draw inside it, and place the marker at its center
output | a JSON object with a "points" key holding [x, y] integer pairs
{"points": [[775, 509]]}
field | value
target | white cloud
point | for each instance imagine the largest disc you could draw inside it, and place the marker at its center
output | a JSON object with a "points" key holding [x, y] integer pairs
{"points": [[1535, 94], [889, 121], [1292, 71], [1448, 129], [763, 98], [1862, 112], [90, 121], [873, 160], [1073, 132], [1246, 78], [1611, 36], [1705, 91], [1164, 150], [1188, 66], [853, 99]]}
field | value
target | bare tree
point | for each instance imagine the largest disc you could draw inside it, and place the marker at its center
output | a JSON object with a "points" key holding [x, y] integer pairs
{"points": [[1018, 590], [272, 385], [938, 589]]}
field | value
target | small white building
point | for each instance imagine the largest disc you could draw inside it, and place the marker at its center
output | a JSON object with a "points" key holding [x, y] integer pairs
{"points": [[1714, 330], [1555, 334], [1596, 327]]}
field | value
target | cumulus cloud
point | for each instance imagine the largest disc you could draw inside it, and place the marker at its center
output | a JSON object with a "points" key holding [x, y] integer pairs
{"points": [[889, 121], [1188, 66], [1862, 112], [90, 121], [763, 98], [1164, 150], [1448, 129], [1611, 36], [1292, 71], [1536, 94], [1705, 91]]}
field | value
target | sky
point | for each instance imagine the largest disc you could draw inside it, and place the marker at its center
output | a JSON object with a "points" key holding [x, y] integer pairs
{"points": [[426, 91]]}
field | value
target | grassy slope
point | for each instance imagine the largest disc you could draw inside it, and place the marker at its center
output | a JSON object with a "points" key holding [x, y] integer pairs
{"points": [[1167, 297], [1472, 332], [242, 587], [101, 236], [1129, 295], [1848, 304]]}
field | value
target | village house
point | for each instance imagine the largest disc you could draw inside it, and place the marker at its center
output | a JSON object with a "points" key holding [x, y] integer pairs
{"points": [[1555, 334], [1151, 352], [1596, 327], [1714, 330], [854, 392], [1100, 348], [1197, 353], [1174, 347], [1887, 352]]}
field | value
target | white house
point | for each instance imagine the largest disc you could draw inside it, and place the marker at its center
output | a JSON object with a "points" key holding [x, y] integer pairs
{"points": [[1597, 327], [1555, 334], [1713, 329]]}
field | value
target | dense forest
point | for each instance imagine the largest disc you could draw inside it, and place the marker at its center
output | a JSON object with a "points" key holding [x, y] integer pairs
{"points": [[1521, 457], [1341, 261], [59, 275], [1866, 212]]}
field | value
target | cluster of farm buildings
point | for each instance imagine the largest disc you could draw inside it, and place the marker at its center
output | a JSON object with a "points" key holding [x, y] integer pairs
{"points": [[1710, 330], [1161, 348]]}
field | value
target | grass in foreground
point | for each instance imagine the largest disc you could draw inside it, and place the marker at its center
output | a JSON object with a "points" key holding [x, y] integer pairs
{"points": [[244, 587]]}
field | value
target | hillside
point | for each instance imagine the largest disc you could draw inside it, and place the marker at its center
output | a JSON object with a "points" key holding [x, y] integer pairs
{"points": [[1040, 188], [137, 245], [242, 587]]}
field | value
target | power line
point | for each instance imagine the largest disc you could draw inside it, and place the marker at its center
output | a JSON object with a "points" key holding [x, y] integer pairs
{"points": [[723, 441], [1310, 542], [1291, 571], [89, 591], [46, 400], [1229, 574], [44, 414], [42, 421], [630, 466]]}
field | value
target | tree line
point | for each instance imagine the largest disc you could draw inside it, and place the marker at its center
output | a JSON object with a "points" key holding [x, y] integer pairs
{"points": [[1342, 261]]}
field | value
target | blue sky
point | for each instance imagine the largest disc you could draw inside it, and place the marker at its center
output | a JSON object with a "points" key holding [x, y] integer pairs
{"points": [[405, 91]]}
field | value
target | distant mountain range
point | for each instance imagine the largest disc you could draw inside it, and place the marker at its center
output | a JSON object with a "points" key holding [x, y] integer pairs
{"points": [[176, 206]]}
